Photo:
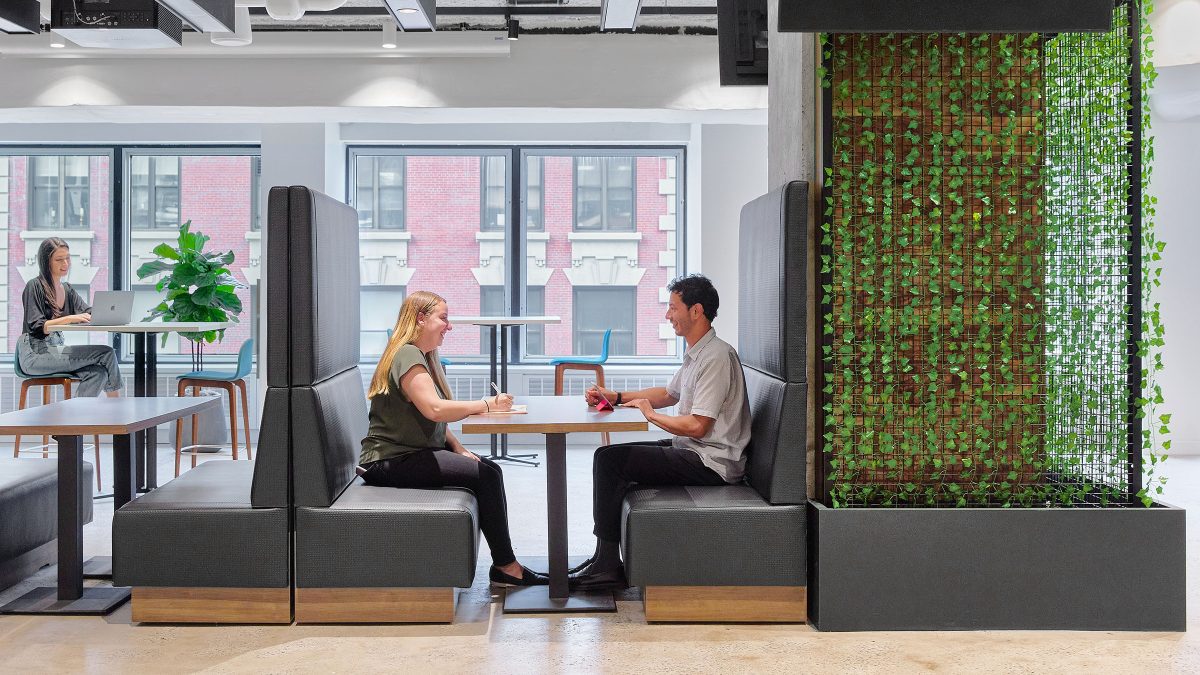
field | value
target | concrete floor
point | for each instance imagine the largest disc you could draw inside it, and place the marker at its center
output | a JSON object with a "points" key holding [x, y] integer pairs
{"points": [[483, 639]]}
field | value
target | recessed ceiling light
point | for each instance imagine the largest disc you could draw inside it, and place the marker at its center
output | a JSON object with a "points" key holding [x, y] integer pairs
{"points": [[407, 10]]}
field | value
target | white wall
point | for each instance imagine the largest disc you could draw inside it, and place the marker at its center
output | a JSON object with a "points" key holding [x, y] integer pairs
{"points": [[1176, 183], [734, 172]]}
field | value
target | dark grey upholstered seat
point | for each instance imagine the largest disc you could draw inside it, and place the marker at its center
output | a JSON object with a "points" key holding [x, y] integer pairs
{"points": [[201, 530], [29, 504], [752, 534], [347, 535]]}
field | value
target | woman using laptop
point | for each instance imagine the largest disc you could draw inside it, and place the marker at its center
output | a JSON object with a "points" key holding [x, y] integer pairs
{"points": [[49, 301], [408, 444]]}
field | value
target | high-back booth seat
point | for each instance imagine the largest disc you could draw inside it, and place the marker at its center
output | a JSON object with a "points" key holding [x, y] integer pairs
{"points": [[29, 515], [737, 552], [362, 554]]}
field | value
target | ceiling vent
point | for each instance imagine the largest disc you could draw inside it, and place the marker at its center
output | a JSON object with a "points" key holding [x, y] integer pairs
{"points": [[414, 15], [116, 24], [206, 16]]}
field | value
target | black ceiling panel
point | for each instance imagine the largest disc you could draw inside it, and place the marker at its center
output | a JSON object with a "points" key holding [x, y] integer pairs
{"points": [[945, 16]]}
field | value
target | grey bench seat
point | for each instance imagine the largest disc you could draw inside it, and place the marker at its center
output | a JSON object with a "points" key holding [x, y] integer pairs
{"points": [[388, 537], [29, 520], [200, 530], [711, 536]]}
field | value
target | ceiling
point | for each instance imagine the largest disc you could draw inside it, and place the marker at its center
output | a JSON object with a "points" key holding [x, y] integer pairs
{"points": [[549, 16]]}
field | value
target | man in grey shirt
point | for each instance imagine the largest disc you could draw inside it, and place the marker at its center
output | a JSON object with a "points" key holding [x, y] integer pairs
{"points": [[711, 428]]}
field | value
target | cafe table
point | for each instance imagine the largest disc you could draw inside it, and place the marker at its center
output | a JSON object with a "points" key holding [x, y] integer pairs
{"points": [[69, 421], [556, 416], [145, 377], [499, 371]]}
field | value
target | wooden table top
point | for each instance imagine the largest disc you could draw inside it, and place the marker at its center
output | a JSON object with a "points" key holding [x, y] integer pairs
{"points": [[103, 415], [556, 415], [149, 327]]}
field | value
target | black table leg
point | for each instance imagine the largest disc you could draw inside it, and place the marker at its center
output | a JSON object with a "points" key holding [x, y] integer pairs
{"points": [[69, 597], [124, 490], [557, 597], [139, 389], [492, 378], [151, 390], [520, 459]]}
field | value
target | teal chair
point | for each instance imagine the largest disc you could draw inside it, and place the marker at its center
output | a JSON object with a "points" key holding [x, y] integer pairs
{"points": [[64, 380], [217, 379], [594, 364]]}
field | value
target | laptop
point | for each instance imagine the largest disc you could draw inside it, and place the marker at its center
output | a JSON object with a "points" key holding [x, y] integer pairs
{"points": [[111, 308]]}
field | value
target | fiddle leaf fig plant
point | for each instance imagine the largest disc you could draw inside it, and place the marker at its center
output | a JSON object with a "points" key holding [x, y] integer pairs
{"points": [[199, 285]]}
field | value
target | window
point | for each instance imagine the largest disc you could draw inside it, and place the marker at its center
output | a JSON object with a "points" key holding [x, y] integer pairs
{"points": [[255, 197], [535, 335], [491, 303], [604, 194], [379, 193], [215, 189], [495, 193], [599, 309], [58, 193], [378, 308], [154, 192], [591, 253], [534, 215]]}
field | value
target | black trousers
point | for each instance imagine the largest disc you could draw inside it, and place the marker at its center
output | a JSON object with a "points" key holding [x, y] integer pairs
{"points": [[438, 468], [617, 467]]}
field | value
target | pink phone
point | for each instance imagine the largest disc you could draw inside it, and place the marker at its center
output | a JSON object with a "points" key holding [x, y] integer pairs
{"points": [[604, 403]]}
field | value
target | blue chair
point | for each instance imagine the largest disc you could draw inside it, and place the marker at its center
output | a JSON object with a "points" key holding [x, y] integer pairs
{"points": [[218, 379], [64, 380], [594, 364]]}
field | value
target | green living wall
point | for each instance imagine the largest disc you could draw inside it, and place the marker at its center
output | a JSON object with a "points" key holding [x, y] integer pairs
{"points": [[985, 249]]}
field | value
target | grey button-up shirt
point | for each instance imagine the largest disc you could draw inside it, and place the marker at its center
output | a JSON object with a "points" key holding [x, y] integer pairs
{"points": [[710, 383]]}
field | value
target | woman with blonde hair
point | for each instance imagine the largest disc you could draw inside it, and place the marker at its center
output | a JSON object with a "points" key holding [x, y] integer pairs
{"points": [[408, 444]]}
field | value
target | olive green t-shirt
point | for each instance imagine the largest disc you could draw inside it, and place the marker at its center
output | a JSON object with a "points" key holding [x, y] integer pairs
{"points": [[396, 425]]}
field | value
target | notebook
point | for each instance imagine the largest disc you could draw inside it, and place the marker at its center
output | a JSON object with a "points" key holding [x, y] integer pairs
{"points": [[517, 409]]}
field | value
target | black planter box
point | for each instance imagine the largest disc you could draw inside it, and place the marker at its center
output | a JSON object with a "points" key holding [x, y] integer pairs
{"points": [[973, 569]]}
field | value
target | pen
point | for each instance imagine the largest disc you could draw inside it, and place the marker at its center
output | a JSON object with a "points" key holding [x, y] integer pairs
{"points": [[496, 389]]}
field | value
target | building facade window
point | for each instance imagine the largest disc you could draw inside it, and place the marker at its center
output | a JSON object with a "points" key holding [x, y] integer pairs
{"points": [[255, 195], [379, 192], [535, 217], [598, 309], [493, 185], [154, 192], [378, 308], [604, 189], [59, 192]]}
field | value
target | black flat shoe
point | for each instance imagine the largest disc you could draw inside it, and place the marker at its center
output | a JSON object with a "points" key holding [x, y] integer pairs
{"points": [[612, 579], [528, 577]]}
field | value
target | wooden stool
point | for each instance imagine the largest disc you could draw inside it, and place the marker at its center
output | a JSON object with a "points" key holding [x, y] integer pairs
{"points": [[594, 364], [63, 380], [219, 380]]}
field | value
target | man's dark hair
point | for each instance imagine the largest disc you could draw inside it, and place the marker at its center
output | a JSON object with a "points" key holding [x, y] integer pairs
{"points": [[696, 288]]}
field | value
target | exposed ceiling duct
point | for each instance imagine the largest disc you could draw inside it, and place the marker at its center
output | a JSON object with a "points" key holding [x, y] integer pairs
{"points": [[240, 36], [206, 16], [619, 14], [414, 15], [21, 16], [292, 10]]}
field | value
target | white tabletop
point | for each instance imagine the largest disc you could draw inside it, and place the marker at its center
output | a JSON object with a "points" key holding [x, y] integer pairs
{"points": [[150, 327], [505, 320]]}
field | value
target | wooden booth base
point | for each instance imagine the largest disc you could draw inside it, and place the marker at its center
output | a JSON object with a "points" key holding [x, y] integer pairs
{"points": [[212, 605], [376, 605], [726, 604]]}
